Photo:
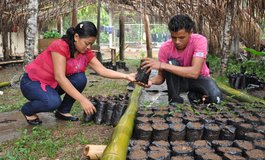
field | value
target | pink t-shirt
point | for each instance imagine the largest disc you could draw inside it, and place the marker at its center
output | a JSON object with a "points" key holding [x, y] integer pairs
{"points": [[196, 47], [41, 69]]}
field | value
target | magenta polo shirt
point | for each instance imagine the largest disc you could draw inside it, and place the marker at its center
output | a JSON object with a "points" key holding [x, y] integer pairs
{"points": [[196, 47]]}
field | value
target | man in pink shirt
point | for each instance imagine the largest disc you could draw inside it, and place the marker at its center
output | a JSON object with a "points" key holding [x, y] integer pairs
{"points": [[182, 63]]}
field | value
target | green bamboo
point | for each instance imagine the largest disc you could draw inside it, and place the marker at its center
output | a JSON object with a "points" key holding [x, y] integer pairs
{"points": [[236, 94], [3, 84], [117, 148]]}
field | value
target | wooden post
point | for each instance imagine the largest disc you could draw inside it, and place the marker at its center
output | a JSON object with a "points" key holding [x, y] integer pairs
{"points": [[110, 24], [113, 56], [60, 24], [121, 39], [148, 36]]}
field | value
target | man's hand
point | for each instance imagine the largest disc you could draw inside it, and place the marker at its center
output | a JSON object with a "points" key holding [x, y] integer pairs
{"points": [[151, 64], [145, 85]]}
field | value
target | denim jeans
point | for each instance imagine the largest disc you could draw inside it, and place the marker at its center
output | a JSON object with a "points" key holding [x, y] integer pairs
{"points": [[50, 100]]}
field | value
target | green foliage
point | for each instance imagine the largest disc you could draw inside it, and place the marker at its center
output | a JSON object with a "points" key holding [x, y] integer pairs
{"points": [[254, 52], [51, 34], [159, 28], [214, 63], [12, 101], [253, 66], [232, 66]]}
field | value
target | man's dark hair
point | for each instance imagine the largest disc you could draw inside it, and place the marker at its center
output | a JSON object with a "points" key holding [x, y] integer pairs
{"points": [[83, 29], [179, 22]]}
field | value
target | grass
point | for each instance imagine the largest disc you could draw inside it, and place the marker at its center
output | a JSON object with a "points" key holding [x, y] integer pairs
{"points": [[40, 143]]}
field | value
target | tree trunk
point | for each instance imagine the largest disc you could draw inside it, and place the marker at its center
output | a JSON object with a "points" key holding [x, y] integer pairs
{"points": [[74, 13], [98, 24], [118, 146], [227, 35], [121, 39], [235, 44], [148, 36], [6, 50], [31, 31]]}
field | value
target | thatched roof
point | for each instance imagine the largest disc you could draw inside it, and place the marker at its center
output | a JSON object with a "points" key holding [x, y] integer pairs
{"points": [[208, 14]]}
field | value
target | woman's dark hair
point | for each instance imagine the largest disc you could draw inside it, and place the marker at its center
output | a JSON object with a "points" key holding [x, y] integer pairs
{"points": [[83, 29], [179, 22]]}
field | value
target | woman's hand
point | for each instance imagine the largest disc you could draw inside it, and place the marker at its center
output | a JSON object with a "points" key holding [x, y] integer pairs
{"points": [[88, 107], [130, 77]]}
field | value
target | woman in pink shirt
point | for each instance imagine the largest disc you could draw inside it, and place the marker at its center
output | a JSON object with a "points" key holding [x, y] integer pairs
{"points": [[182, 63], [61, 69]]}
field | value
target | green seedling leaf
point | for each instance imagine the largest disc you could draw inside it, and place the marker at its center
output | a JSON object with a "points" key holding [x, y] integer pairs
{"points": [[254, 52]]}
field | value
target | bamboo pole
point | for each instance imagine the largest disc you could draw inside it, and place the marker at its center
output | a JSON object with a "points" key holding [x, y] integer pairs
{"points": [[117, 148], [237, 94], [3, 84]]}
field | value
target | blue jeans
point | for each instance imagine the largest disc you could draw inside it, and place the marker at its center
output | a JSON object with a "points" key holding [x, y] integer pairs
{"points": [[41, 101]]}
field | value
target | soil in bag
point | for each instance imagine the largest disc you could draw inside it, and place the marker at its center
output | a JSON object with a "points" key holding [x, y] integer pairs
{"points": [[118, 111], [211, 132], [158, 154], [260, 144], [110, 105], [137, 154], [210, 156], [177, 131], [142, 74], [243, 128], [143, 131], [244, 145], [255, 154], [89, 117], [228, 132], [160, 131], [194, 131], [100, 106]]}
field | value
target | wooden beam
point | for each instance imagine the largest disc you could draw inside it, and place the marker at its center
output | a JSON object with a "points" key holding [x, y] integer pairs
{"points": [[121, 39], [148, 36]]}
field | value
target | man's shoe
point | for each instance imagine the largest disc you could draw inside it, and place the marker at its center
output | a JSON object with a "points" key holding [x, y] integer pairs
{"points": [[36, 121], [175, 101], [58, 115]]}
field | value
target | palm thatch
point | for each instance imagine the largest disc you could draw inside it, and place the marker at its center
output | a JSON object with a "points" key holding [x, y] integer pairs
{"points": [[222, 21]]}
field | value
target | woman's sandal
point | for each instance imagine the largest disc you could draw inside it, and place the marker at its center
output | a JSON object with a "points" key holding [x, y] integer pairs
{"points": [[35, 121], [58, 115]]}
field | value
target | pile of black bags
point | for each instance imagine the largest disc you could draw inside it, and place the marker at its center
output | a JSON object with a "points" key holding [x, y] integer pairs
{"points": [[109, 109]]}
